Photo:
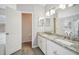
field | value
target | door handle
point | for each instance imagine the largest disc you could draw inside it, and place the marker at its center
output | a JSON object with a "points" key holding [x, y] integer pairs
{"points": [[7, 33]]}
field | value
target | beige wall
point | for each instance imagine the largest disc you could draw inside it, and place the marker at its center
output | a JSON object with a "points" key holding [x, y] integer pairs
{"points": [[26, 27], [2, 27]]}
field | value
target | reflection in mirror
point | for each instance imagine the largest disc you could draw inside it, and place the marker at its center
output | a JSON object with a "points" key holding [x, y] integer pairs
{"points": [[41, 21], [47, 22]]}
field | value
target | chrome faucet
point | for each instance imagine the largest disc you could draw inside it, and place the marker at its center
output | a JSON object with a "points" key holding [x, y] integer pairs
{"points": [[70, 35], [66, 35]]}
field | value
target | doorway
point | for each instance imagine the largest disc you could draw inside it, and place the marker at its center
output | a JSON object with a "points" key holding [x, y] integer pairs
{"points": [[26, 33], [27, 37], [26, 27]]}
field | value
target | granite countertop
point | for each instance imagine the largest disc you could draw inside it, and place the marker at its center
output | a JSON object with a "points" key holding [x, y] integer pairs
{"points": [[52, 37]]}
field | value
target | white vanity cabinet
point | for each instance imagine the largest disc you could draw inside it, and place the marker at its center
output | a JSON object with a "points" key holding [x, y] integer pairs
{"points": [[49, 47], [55, 49], [42, 44]]}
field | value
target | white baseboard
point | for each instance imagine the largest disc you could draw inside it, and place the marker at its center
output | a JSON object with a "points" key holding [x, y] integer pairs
{"points": [[35, 46], [27, 41]]}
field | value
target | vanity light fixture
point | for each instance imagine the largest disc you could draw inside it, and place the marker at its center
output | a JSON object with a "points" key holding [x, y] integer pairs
{"points": [[52, 11], [47, 13], [70, 5], [62, 6]]}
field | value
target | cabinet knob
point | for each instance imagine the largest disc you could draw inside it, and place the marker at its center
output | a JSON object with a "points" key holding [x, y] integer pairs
{"points": [[7, 33], [55, 52]]}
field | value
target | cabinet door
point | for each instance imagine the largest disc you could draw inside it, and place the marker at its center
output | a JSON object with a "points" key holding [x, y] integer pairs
{"points": [[44, 45], [39, 42], [64, 51], [51, 48]]}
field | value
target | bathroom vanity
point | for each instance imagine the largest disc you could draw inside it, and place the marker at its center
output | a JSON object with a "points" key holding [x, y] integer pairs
{"points": [[52, 44]]}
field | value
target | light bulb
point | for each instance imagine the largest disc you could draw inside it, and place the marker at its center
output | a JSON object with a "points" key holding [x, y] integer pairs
{"points": [[62, 6], [70, 5], [52, 11]]}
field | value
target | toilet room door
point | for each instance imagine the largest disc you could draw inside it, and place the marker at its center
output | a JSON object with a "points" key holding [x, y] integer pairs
{"points": [[13, 31]]}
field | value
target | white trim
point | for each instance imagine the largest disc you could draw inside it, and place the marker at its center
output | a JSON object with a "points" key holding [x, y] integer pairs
{"points": [[32, 22], [26, 12], [35, 46]]}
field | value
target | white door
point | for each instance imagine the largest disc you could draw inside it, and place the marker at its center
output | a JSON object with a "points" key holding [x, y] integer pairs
{"points": [[13, 31]]}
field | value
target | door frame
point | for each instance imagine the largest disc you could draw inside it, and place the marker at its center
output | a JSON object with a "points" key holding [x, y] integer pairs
{"points": [[32, 21]]}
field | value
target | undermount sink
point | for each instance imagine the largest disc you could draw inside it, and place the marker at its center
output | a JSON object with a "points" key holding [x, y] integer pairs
{"points": [[49, 33], [64, 42]]}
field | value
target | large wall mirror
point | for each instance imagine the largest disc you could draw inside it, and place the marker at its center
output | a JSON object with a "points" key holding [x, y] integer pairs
{"points": [[70, 25]]}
